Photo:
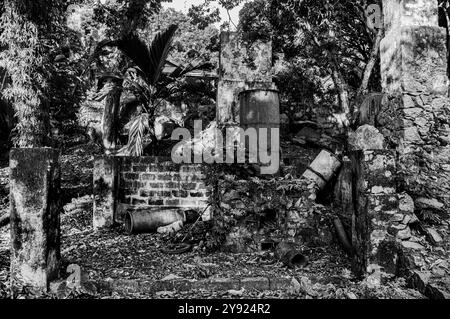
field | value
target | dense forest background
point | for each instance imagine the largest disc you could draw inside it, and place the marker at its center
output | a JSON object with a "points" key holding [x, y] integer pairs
{"points": [[67, 67], [53, 74]]}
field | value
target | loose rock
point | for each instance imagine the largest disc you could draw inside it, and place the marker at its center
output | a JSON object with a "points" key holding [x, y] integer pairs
{"points": [[366, 137]]}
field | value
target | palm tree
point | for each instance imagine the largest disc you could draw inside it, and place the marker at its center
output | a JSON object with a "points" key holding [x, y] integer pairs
{"points": [[146, 82]]}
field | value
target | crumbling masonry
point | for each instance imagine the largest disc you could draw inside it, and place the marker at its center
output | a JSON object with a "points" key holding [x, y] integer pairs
{"points": [[415, 121]]}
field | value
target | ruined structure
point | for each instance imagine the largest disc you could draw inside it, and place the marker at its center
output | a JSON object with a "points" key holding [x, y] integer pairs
{"points": [[263, 212], [413, 174], [123, 183], [403, 171], [127, 183], [243, 66]]}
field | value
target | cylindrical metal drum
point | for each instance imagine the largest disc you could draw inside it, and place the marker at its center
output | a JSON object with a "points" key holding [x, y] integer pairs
{"points": [[149, 220], [260, 109], [322, 168]]}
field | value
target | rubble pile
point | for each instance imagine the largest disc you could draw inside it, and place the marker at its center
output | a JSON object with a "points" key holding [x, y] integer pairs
{"points": [[260, 211]]}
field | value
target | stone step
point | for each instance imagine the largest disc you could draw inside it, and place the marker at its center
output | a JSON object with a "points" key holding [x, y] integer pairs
{"points": [[172, 283], [183, 285]]}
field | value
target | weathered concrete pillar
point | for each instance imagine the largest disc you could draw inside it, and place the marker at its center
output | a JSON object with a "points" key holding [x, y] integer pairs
{"points": [[414, 73], [35, 222], [243, 66], [377, 206], [105, 189], [415, 115], [415, 121]]}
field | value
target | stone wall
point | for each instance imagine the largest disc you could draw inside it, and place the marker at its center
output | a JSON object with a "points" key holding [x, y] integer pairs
{"points": [[147, 182], [376, 208], [260, 211], [415, 113], [418, 126], [414, 120]]}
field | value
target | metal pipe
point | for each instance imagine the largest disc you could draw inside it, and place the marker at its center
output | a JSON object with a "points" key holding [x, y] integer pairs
{"points": [[145, 221], [342, 235], [290, 255]]}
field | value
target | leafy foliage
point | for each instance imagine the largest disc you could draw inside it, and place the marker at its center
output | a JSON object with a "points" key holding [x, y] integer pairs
{"points": [[203, 16], [149, 60], [325, 39], [138, 127], [190, 41], [23, 59], [145, 80]]}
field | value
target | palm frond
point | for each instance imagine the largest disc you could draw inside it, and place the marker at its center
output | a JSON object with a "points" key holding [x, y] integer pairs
{"points": [[159, 50], [185, 69], [101, 94], [138, 127], [149, 60], [136, 49]]}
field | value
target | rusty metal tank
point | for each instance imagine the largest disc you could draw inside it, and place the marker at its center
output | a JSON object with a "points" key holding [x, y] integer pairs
{"points": [[259, 109]]}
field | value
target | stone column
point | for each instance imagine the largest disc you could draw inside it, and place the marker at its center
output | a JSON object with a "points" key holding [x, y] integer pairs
{"points": [[242, 66], [376, 207], [415, 116], [35, 221], [105, 190], [413, 51], [415, 119]]}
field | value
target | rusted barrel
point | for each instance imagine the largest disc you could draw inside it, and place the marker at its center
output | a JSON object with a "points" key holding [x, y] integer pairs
{"points": [[260, 109], [322, 168], [149, 220]]}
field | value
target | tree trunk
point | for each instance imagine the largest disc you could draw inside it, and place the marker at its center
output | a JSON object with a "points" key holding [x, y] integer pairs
{"points": [[363, 88], [447, 29], [370, 65], [342, 87], [110, 120]]}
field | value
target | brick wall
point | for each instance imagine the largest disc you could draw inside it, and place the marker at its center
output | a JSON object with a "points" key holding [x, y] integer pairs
{"points": [[150, 182]]}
